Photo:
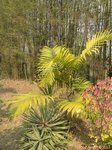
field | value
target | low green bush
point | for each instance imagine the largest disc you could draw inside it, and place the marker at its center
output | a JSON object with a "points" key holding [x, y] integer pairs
{"points": [[45, 129], [98, 99]]}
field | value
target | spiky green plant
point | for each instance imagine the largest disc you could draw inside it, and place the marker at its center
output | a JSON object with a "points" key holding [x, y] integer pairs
{"points": [[57, 66], [45, 129]]}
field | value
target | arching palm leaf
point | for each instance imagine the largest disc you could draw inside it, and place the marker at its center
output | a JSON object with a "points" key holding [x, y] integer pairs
{"points": [[94, 44], [74, 106], [22, 102], [54, 62], [46, 66], [80, 84]]}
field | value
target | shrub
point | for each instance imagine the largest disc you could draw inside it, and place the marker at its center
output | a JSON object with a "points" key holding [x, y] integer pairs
{"points": [[45, 129], [98, 100]]}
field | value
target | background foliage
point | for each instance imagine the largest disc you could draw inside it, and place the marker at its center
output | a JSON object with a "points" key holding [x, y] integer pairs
{"points": [[25, 26]]}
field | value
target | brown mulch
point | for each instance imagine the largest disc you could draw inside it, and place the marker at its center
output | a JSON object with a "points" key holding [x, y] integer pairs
{"points": [[10, 130]]}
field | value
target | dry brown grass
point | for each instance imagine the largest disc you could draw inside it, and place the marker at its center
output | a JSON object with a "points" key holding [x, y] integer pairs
{"points": [[11, 87], [10, 131]]}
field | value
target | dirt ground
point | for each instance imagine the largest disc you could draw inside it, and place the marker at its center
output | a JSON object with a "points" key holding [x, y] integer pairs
{"points": [[10, 130]]}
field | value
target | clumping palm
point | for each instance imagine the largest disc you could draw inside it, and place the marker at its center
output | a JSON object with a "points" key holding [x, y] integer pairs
{"points": [[61, 85]]}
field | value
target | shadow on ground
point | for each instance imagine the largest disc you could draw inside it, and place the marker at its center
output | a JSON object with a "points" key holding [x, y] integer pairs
{"points": [[81, 131], [9, 139], [7, 90], [10, 132]]}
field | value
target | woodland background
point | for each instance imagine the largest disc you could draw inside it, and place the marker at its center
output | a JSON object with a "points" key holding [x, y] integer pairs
{"points": [[28, 25]]}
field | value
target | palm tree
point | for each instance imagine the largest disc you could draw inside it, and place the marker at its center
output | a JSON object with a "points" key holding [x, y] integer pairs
{"points": [[57, 69]]}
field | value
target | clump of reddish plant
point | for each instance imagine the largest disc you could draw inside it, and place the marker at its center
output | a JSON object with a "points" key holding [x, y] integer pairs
{"points": [[98, 105]]}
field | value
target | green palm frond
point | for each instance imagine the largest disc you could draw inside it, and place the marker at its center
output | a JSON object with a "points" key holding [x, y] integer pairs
{"points": [[22, 102], [80, 84], [74, 107], [64, 58], [53, 63], [94, 44], [46, 66]]}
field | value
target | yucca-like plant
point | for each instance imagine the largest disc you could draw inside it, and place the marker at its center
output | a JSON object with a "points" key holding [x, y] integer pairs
{"points": [[56, 67], [45, 129]]}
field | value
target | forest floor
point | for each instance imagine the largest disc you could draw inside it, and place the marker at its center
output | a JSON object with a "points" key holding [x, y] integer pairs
{"points": [[10, 130]]}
